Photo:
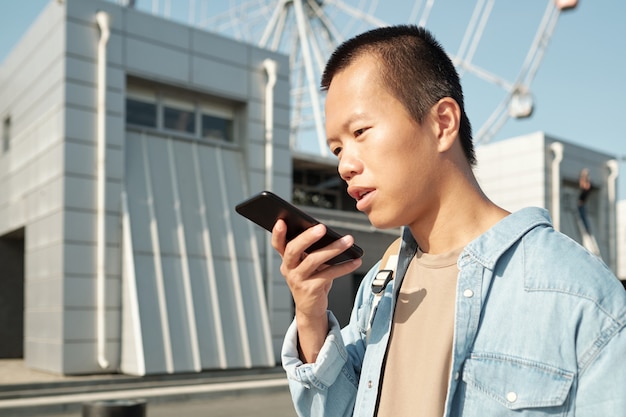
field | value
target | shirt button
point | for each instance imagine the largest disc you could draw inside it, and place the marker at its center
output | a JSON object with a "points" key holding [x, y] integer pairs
{"points": [[456, 376], [369, 384], [511, 397], [468, 293]]}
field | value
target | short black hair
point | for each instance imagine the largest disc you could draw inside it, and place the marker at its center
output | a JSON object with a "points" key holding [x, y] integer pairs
{"points": [[414, 67]]}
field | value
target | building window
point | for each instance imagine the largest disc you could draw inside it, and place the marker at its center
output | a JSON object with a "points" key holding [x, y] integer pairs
{"points": [[141, 113], [217, 122], [178, 111], [214, 127], [179, 116], [319, 188], [141, 107], [6, 134]]}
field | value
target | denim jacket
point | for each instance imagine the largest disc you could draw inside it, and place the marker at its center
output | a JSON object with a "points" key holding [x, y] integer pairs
{"points": [[539, 331]]}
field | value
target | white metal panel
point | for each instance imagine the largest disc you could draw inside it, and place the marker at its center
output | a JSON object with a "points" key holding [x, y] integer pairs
{"points": [[197, 270], [149, 314], [191, 215], [250, 275], [162, 194], [187, 301], [231, 312], [137, 195], [157, 256], [179, 325], [240, 331], [212, 344], [208, 315], [132, 355]]}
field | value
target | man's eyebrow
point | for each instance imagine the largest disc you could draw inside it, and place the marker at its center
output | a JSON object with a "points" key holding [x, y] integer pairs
{"points": [[329, 141], [356, 117]]}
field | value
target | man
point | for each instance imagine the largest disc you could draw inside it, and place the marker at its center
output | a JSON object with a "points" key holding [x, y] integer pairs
{"points": [[489, 314], [584, 187]]}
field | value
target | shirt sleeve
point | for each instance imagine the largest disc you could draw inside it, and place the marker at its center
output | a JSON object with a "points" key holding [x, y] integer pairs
{"points": [[332, 357], [328, 387], [602, 385]]}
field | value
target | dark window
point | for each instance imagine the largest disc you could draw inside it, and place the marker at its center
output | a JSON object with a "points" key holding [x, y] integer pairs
{"points": [[214, 127], [6, 134], [320, 188], [178, 111], [141, 113], [179, 120]]}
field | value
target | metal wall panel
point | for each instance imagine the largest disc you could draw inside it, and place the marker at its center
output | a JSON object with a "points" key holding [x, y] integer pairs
{"points": [[195, 271]]}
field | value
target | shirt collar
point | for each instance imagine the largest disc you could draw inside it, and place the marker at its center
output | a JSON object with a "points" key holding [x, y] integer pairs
{"points": [[489, 247]]}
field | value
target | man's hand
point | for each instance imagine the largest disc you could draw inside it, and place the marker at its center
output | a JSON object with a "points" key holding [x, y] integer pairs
{"points": [[310, 280]]}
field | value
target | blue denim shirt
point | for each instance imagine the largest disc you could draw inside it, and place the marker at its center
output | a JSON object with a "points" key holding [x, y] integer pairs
{"points": [[539, 331]]}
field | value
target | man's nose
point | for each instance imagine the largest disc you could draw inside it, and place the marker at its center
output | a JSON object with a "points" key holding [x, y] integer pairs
{"points": [[349, 166]]}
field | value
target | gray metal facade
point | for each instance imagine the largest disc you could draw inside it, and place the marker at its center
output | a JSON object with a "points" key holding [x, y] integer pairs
{"points": [[188, 284]]}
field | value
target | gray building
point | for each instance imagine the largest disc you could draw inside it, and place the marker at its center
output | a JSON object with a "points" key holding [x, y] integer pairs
{"points": [[126, 142], [540, 170]]}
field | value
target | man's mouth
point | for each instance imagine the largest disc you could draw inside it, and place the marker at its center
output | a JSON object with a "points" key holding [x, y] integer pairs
{"points": [[362, 194], [359, 193]]}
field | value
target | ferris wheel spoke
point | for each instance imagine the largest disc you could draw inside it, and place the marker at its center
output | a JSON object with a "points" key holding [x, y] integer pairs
{"points": [[484, 74], [539, 45], [326, 22], [280, 28], [426, 13], [310, 75], [273, 23], [494, 123], [320, 59], [475, 30], [471, 27], [415, 11], [356, 13]]}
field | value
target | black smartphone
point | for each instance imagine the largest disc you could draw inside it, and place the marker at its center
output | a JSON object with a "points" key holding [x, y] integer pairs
{"points": [[266, 208]]}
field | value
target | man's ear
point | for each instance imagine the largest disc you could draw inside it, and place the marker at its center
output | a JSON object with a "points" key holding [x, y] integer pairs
{"points": [[447, 117]]}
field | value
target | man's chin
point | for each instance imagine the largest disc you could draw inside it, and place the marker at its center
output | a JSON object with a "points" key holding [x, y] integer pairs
{"points": [[383, 224]]}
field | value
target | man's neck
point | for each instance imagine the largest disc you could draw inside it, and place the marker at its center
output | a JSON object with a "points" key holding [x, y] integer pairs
{"points": [[458, 220]]}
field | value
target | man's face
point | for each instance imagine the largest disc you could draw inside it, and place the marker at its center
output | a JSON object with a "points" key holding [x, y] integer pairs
{"points": [[387, 159]]}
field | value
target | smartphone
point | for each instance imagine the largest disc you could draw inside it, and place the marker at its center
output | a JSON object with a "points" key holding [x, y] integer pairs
{"points": [[266, 208]]}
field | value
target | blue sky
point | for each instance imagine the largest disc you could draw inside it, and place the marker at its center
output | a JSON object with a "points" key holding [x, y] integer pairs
{"points": [[579, 90]]}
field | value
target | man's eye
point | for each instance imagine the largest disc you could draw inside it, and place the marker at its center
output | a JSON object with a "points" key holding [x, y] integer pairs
{"points": [[359, 132], [336, 151]]}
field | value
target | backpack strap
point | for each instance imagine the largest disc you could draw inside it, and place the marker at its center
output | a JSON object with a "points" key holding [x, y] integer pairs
{"points": [[383, 277]]}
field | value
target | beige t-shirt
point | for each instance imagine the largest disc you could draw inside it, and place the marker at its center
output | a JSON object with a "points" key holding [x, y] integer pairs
{"points": [[417, 365]]}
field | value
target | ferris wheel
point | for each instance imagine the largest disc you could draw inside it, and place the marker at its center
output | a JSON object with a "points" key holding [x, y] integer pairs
{"points": [[476, 34]]}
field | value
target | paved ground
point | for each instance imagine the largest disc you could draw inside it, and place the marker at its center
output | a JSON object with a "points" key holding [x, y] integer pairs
{"points": [[14, 372], [255, 393], [276, 404]]}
